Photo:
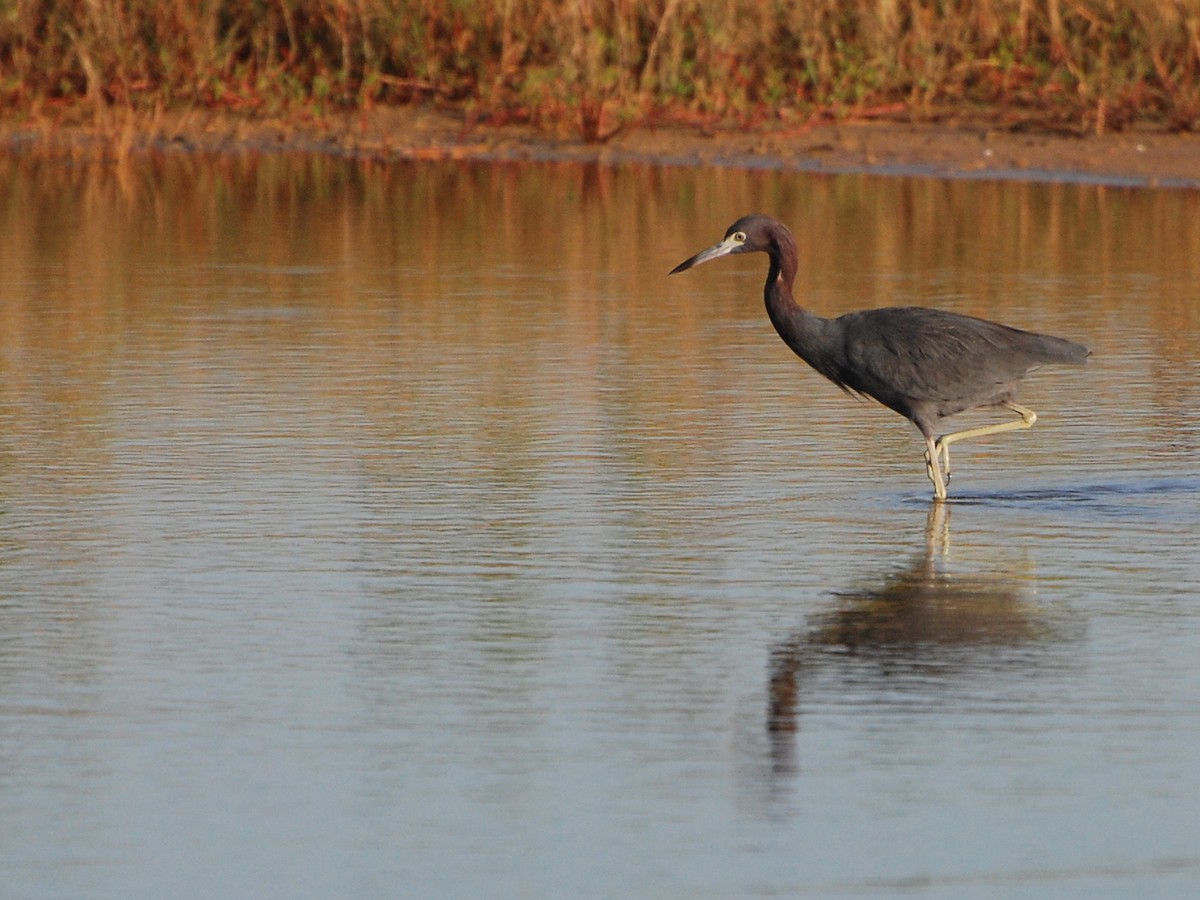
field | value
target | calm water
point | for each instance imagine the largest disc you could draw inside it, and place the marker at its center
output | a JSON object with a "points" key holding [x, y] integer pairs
{"points": [[405, 531]]}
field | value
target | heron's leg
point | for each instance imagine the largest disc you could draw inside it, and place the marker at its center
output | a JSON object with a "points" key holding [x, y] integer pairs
{"points": [[1028, 417], [933, 470]]}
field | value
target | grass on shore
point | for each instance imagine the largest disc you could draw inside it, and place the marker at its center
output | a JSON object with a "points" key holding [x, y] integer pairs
{"points": [[594, 66]]}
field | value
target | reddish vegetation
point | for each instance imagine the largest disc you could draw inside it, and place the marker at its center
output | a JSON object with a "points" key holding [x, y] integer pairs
{"points": [[816, 83]]}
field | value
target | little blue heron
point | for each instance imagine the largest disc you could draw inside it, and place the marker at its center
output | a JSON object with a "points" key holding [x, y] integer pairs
{"points": [[926, 364]]}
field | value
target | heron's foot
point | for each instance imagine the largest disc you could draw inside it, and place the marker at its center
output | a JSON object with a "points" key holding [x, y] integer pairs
{"points": [[939, 487]]}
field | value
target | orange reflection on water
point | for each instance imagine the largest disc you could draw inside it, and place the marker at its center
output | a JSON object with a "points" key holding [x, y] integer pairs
{"points": [[528, 288]]}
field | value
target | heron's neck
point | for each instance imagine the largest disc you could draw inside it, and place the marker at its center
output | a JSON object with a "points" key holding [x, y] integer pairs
{"points": [[804, 331]]}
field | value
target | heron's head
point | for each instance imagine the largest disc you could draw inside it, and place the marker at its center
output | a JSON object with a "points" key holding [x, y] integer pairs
{"points": [[747, 235]]}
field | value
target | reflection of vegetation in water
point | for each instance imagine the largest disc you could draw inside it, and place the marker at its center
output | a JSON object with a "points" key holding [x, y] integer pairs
{"points": [[1091, 64], [589, 247]]}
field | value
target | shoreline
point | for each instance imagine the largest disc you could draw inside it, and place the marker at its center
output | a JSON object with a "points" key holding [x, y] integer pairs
{"points": [[956, 147]]}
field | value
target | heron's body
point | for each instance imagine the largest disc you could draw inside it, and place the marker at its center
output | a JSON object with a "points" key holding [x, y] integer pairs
{"points": [[926, 364]]}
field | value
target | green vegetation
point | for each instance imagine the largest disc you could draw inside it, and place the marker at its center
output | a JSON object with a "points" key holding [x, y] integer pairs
{"points": [[595, 65]]}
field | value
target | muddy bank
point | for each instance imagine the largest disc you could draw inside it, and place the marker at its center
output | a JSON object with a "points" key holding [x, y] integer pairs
{"points": [[953, 147], [950, 148]]}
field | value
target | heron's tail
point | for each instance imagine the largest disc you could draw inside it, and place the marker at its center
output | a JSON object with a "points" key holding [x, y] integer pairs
{"points": [[1058, 350]]}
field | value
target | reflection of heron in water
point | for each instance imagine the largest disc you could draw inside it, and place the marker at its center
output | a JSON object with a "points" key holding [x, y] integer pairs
{"points": [[920, 617]]}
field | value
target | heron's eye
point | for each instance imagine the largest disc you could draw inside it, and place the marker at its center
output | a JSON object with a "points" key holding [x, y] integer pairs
{"points": [[740, 237]]}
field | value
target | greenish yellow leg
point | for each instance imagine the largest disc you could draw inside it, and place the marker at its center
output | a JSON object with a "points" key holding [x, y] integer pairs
{"points": [[933, 470], [939, 450]]}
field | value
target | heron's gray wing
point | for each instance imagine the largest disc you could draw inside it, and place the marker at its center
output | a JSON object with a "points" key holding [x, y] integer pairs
{"points": [[917, 355]]}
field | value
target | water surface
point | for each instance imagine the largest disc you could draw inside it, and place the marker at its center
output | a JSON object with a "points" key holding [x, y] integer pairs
{"points": [[403, 530]]}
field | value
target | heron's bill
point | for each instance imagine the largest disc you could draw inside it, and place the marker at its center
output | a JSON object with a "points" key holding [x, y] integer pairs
{"points": [[716, 251]]}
